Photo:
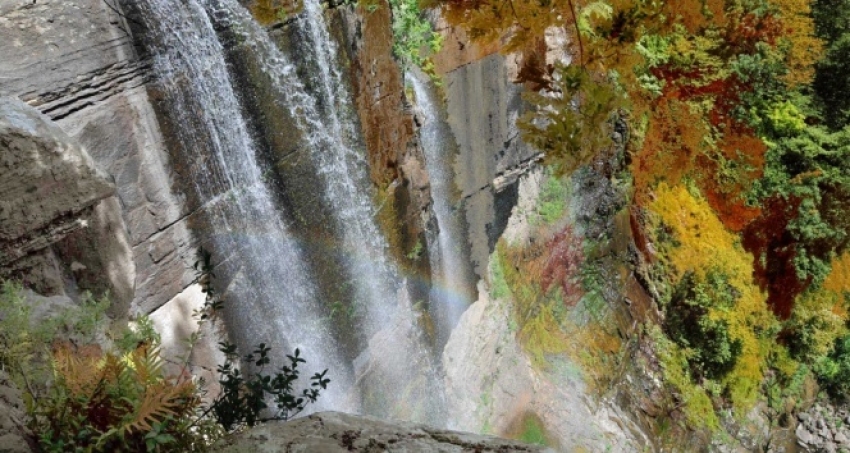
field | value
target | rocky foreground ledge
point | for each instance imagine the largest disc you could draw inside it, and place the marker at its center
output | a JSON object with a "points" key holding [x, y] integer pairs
{"points": [[331, 432]]}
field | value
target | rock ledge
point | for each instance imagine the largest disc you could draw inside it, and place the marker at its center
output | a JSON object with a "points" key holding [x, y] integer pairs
{"points": [[331, 432]]}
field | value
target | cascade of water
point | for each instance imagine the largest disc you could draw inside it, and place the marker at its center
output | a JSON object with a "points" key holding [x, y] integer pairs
{"points": [[276, 301], [400, 370], [331, 134], [450, 287]]}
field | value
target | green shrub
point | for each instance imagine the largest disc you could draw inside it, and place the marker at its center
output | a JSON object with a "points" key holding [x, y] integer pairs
{"points": [[243, 397], [25, 345], [833, 371], [533, 431], [712, 352], [553, 199], [414, 39]]}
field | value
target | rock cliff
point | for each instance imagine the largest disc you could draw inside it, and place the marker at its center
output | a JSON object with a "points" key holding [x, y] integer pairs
{"points": [[75, 62]]}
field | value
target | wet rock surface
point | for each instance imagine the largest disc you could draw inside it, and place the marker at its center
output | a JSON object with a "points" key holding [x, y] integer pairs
{"points": [[75, 62]]}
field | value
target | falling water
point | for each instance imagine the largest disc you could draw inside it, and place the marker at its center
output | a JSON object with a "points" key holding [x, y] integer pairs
{"points": [[326, 120], [276, 300], [396, 374], [450, 288]]}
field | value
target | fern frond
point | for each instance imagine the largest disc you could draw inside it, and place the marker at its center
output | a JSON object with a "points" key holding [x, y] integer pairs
{"points": [[161, 400], [80, 371], [147, 364]]}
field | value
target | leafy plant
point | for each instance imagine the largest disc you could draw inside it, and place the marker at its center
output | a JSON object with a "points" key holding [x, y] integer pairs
{"points": [[574, 121], [834, 370], [414, 39], [712, 351], [243, 399]]}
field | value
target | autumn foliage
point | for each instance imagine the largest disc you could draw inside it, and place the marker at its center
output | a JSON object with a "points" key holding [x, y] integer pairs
{"points": [[743, 194]]}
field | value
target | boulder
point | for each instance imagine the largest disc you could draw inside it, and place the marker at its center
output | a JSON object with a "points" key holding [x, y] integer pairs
{"points": [[48, 181], [330, 432]]}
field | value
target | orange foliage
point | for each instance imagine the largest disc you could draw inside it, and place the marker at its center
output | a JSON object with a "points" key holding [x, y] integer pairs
{"points": [[838, 282], [671, 146], [696, 15]]}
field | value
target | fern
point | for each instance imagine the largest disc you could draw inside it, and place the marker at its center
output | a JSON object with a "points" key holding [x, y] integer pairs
{"points": [[106, 402], [157, 404]]}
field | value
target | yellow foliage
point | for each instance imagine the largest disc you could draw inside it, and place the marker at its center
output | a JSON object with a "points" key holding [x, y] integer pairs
{"points": [[838, 282], [816, 322], [703, 244], [804, 48]]}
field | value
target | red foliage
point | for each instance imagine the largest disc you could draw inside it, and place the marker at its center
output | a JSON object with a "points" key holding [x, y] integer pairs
{"points": [[774, 249], [752, 29], [563, 265], [687, 84]]}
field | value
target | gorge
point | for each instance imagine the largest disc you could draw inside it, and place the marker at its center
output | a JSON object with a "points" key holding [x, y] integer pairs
{"points": [[401, 227]]}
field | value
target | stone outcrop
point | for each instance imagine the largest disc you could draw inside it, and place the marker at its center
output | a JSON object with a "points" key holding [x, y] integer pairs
{"points": [[13, 432], [75, 61], [331, 432], [492, 384], [824, 428], [482, 105], [48, 182]]}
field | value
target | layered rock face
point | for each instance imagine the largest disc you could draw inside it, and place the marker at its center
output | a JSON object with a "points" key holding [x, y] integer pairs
{"points": [[14, 437], [48, 181], [331, 432], [75, 62]]}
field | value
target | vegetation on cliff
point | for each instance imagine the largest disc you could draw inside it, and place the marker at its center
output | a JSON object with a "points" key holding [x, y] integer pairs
{"points": [[738, 161], [94, 385]]}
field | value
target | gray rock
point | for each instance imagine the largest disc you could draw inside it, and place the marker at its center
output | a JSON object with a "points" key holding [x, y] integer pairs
{"points": [[330, 432], [48, 180], [804, 437], [13, 433], [59, 55], [481, 109], [75, 61], [491, 383]]}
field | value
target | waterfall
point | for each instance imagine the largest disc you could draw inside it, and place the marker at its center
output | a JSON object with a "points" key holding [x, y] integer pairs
{"points": [[276, 300], [325, 117], [396, 373], [271, 283], [450, 289]]}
